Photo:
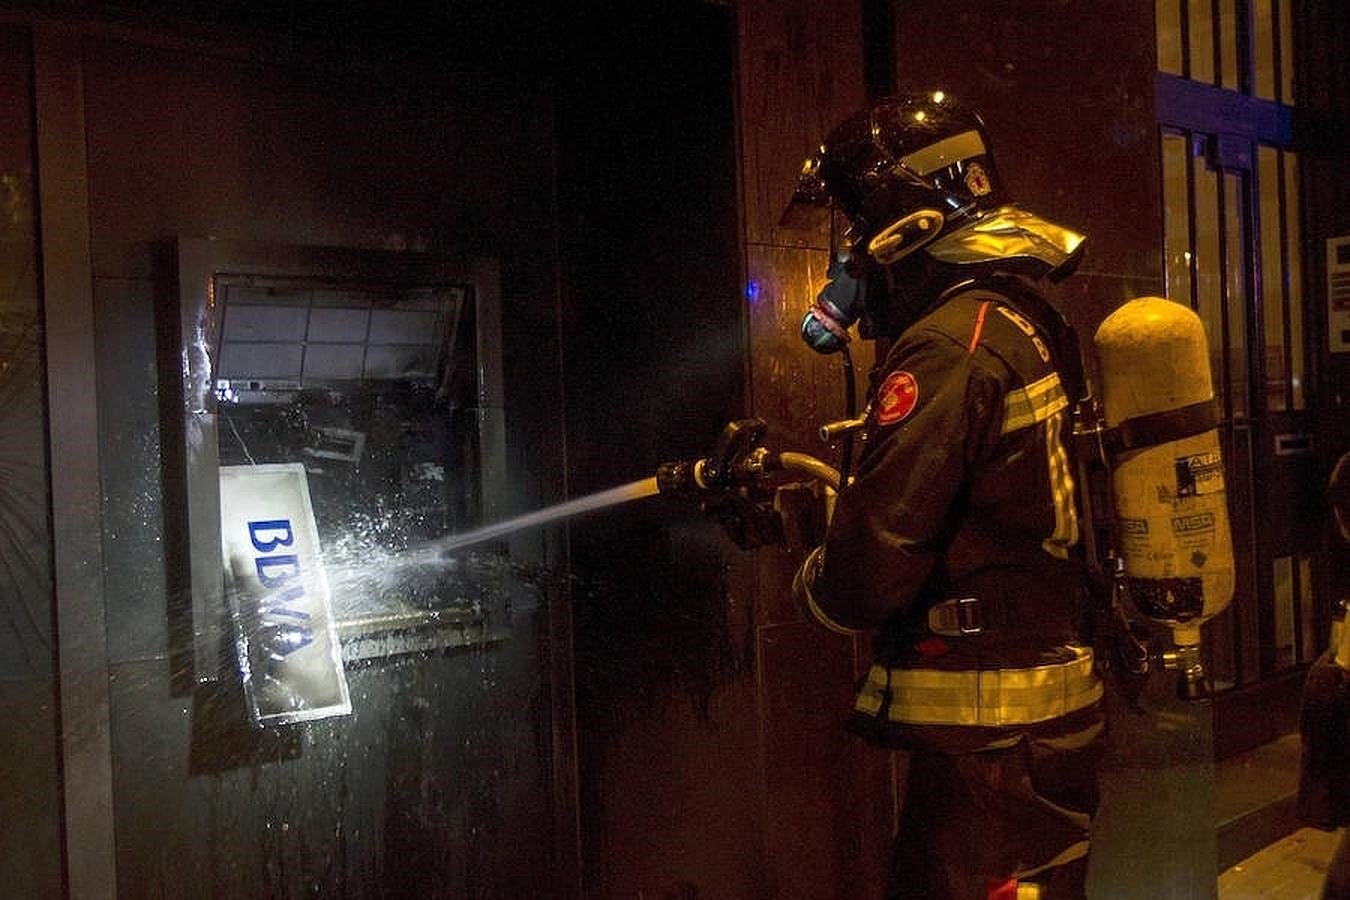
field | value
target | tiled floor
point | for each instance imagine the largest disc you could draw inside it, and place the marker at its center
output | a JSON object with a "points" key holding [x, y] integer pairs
{"points": [[1290, 869], [1255, 793]]}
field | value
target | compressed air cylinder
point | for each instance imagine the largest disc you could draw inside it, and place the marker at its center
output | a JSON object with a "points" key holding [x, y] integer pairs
{"points": [[1169, 499]]}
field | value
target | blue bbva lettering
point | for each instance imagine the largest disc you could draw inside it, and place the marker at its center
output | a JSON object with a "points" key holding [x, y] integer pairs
{"points": [[276, 604], [268, 566], [275, 571], [257, 530]]}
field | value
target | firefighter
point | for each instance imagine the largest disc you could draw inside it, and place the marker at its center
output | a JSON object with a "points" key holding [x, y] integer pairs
{"points": [[956, 544]]}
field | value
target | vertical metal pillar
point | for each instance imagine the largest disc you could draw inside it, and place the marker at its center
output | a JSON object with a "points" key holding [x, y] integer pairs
{"points": [[72, 399]]}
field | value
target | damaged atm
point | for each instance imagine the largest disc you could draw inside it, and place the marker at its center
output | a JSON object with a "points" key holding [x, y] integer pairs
{"points": [[340, 408]]}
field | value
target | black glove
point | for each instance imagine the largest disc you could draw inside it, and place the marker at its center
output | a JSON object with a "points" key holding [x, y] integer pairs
{"points": [[801, 506], [746, 516]]}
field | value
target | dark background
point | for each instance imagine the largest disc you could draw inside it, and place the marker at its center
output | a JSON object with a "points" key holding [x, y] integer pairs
{"points": [[661, 723]]}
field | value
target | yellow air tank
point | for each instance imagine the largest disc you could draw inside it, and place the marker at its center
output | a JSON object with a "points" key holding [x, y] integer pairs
{"points": [[1167, 477]]}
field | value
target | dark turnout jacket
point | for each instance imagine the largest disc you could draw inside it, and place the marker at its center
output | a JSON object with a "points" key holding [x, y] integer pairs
{"points": [[964, 490]]}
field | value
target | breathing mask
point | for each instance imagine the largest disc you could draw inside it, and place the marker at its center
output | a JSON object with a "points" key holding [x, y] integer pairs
{"points": [[839, 304]]}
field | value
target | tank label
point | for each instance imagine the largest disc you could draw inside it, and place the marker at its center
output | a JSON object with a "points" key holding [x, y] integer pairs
{"points": [[1199, 473], [1134, 526], [1191, 524]]}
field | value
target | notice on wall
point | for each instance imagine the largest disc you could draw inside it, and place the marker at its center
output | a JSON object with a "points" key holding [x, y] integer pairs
{"points": [[287, 642]]}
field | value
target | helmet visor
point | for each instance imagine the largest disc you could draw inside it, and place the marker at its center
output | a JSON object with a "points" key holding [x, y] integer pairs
{"points": [[946, 152]]}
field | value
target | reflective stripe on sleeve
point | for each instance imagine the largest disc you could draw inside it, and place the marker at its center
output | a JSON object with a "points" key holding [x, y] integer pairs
{"points": [[1038, 401], [986, 697], [1061, 488], [1045, 401]]}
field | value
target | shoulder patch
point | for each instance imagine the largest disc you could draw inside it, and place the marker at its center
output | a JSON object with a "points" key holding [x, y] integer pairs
{"points": [[896, 399]]}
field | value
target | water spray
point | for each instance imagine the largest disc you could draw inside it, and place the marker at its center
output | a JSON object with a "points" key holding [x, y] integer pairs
{"points": [[731, 483], [636, 490]]}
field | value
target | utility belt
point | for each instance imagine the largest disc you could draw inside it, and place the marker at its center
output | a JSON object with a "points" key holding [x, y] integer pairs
{"points": [[984, 697], [967, 615]]}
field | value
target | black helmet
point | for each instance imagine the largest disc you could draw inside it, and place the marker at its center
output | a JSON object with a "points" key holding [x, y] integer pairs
{"points": [[915, 170], [917, 157]]}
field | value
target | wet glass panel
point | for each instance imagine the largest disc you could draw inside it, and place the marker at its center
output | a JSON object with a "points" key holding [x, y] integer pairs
{"points": [[1201, 16], [30, 848], [1272, 277], [1208, 269], [1230, 77], [1263, 50], [1176, 217], [1286, 52], [1169, 36], [1310, 642], [1282, 578], [1235, 239], [1293, 236], [25, 589]]}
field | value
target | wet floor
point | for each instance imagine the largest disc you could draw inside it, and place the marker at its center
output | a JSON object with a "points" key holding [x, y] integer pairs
{"points": [[1292, 868]]}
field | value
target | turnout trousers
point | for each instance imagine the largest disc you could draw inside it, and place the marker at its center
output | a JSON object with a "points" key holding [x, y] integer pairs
{"points": [[976, 825]]}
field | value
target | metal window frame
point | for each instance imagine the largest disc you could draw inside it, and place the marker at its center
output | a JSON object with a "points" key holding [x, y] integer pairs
{"points": [[201, 261], [76, 486]]}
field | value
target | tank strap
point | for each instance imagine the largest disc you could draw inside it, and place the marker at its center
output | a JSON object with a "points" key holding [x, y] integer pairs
{"points": [[1161, 427], [985, 697]]}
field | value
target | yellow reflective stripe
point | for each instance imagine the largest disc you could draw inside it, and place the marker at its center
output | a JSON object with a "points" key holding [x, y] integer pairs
{"points": [[1061, 489], [1044, 400], [869, 697], [1038, 401], [985, 697]]}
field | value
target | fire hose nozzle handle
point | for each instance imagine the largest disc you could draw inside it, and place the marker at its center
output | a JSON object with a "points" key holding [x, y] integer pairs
{"points": [[738, 458], [680, 477]]}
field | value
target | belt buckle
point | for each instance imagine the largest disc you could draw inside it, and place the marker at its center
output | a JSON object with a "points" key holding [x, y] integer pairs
{"points": [[956, 617], [968, 615]]}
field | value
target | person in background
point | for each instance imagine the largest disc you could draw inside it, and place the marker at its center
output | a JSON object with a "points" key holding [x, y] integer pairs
{"points": [[1324, 721]]}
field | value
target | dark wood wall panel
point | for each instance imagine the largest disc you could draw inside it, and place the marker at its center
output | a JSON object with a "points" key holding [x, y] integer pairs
{"points": [[829, 796], [1066, 90]]}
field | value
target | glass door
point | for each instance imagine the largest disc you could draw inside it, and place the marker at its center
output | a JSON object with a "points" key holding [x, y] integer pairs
{"points": [[1233, 253]]}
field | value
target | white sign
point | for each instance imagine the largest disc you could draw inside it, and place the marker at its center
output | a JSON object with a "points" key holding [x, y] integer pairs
{"points": [[287, 641]]}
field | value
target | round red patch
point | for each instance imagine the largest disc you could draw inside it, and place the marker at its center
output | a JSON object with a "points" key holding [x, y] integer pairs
{"points": [[897, 398]]}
